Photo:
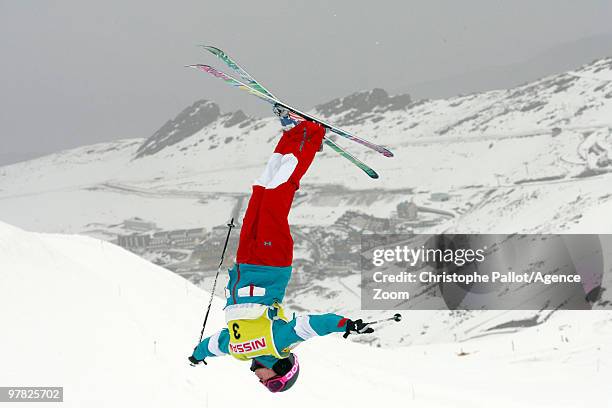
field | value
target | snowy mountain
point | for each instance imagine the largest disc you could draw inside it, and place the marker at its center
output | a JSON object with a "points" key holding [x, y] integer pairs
{"points": [[466, 146], [532, 159], [363, 106], [115, 330], [190, 121]]}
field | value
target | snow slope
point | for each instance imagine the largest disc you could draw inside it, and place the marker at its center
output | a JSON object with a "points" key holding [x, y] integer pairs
{"points": [[114, 331]]}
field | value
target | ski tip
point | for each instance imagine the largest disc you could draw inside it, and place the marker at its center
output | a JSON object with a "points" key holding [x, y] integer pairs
{"points": [[197, 66], [387, 153], [373, 174], [213, 50]]}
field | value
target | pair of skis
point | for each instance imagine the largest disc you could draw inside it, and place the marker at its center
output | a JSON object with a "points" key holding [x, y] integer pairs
{"points": [[255, 88]]}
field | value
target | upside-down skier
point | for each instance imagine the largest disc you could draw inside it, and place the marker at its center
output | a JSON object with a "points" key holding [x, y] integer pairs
{"points": [[257, 326]]}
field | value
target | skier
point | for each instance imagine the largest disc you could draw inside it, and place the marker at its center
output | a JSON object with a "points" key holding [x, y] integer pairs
{"points": [[257, 326]]}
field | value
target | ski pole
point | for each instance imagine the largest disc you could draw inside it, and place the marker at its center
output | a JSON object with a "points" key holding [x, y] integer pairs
{"points": [[396, 317], [212, 293]]}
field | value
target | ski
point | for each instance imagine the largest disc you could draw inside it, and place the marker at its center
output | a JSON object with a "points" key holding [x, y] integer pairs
{"points": [[367, 169], [271, 99], [238, 69], [257, 86], [231, 63], [266, 97]]}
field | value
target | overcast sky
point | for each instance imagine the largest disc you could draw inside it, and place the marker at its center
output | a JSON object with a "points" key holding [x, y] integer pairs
{"points": [[74, 72]]}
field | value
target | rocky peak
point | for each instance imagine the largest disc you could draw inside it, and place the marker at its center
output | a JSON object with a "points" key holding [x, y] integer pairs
{"points": [[191, 120], [360, 104], [236, 118]]}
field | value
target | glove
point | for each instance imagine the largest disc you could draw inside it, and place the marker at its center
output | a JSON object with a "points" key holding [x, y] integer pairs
{"points": [[358, 327], [194, 361]]}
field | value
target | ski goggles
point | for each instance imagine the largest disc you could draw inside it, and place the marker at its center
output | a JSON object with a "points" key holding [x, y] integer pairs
{"points": [[279, 382]]}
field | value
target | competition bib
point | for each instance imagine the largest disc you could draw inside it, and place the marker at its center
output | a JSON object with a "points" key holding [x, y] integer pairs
{"points": [[250, 338]]}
